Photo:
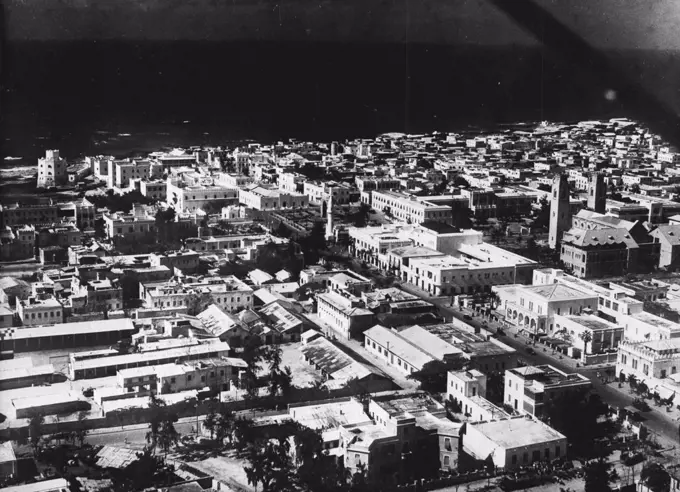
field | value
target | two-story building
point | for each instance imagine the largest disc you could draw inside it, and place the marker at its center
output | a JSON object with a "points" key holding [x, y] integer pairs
{"points": [[528, 388]]}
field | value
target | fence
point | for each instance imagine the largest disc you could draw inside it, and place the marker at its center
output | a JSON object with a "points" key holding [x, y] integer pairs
{"points": [[610, 358]]}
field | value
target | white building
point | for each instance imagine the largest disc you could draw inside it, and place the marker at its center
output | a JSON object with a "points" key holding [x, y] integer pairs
{"points": [[51, 170], [533, 308], [514, 442], [261, 198], [528, 388], [191, 198], [229, 293], [42, 310], [410, 209], [656, 359], [468, 389], [320, 191], [344, 314]]}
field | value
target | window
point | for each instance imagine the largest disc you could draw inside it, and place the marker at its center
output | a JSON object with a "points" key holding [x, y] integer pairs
{"points": [[446, 461], [547, 453], [525, 458], [557, 451], [189, 377], [447, 444], [172, 380], [203, 379], [514, 459]]}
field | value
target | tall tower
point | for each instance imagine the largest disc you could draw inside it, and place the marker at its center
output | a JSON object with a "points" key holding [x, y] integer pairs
{"points": [[51, 170], [329, 217], [597, 193], [560, 214]]}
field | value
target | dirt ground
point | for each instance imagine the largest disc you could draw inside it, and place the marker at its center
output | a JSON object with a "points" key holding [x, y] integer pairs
{"points": [[226, 469], [304, 375]]}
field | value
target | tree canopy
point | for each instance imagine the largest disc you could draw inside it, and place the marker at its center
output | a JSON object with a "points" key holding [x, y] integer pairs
{"points": [[433, 375]]}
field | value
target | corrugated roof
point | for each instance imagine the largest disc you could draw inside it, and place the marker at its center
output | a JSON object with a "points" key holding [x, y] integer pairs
{"points": [[333, 361]]}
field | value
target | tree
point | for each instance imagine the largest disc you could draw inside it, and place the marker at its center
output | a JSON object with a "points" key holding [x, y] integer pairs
{"points": [[587, 337], [163, 219], [542, 219], [433, 375], [99, 229], [140, 474], [271, 466], [36, 429], [576, 415], [197, 303], [460, 182], [210, 420], [81, 431], [316, 470], [655, 477], [244, 432], [360, 217], [225, 424], [598, 475], [162, 432]]}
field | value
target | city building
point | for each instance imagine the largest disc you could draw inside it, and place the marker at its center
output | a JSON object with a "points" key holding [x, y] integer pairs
{"points": [[533, 308], [597, 193], [229, 293], [468, 389], [529, 388], [214, 373], [588, 333], [89, 368], [52, 170], [191, 198], [560, 211], [654, 359], [261, 198], [40, 310], [320, 191], [513, 442], [409, 209], [343, 313], [668, 238]]}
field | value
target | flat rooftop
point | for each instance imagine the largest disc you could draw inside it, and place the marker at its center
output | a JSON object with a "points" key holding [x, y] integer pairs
{"points": [[397, 404], [329, 414], [517, 432]]}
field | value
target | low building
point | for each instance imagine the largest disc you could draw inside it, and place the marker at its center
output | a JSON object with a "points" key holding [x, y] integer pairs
{"points": [[229, 293], [588, 333], [410, 209], [468, 389], [344, 314], [64, 402], [191, 198], [217, 374], [109, 366], [650, 359], [40, 310], [68, 335], [53, 485], [402, 426], [513, 442], [533, 308], [529, 388], [261, 198], [8, 461], [339, 369]]}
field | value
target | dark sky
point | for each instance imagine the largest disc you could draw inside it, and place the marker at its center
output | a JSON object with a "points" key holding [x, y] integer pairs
{"points": [[647, 24]]}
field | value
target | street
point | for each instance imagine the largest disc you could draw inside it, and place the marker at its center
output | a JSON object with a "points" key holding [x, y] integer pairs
{"points": [[135, 434]]}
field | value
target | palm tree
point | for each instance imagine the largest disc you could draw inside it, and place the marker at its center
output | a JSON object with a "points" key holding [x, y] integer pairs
{"points": [[587, 337]]}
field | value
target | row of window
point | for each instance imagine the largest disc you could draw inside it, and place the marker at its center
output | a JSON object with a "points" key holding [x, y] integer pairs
{"points": [[52, 314]]}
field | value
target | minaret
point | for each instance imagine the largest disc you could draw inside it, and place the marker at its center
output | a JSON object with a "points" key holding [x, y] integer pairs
{"points": [[329, 217], [597, 193], [560, 213]]}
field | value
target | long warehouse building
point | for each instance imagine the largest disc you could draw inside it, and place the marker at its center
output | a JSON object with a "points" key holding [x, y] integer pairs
{"points": [[68, 335], [109, 366]]}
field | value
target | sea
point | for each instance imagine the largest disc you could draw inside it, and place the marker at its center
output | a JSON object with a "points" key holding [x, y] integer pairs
{"points": [[128, 98]]}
